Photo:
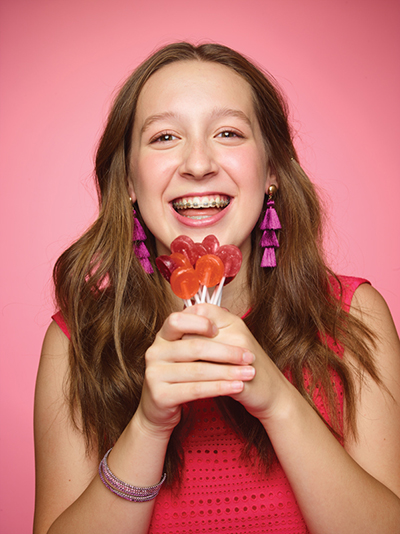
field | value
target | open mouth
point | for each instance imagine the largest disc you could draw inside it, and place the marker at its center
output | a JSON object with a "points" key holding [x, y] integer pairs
{"points": [[200, 207]]}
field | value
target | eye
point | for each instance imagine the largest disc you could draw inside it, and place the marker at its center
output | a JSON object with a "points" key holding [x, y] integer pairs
{"points": [[227, 134], [164, 138]]}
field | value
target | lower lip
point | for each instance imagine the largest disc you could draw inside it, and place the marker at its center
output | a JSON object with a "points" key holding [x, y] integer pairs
{"points": [[201, 223]]}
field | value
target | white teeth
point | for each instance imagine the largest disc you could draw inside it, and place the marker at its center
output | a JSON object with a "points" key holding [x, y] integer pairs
{"points": [[214, 201], [198, 217], [205, 202]]}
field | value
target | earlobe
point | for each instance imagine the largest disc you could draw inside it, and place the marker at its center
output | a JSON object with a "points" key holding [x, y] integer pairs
{"points": [[131, 191], [272, 181]]}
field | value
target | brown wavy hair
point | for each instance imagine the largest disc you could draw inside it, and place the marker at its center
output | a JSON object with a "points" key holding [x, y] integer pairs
{"points": [[114, 309]]}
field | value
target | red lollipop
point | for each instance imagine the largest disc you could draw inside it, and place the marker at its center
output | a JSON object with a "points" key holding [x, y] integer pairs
{"points": [[199, 250], [210, 270], [184, 283], [211, 244], [166, 265], [231, 258], [184, 245]]}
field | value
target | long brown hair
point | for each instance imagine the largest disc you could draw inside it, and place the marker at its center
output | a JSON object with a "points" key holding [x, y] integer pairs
{"points": [[114, 309]]}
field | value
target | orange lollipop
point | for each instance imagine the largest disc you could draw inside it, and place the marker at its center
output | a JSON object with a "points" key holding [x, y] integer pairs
{"points": [[181, 260], [210, 270], [184, 283]]}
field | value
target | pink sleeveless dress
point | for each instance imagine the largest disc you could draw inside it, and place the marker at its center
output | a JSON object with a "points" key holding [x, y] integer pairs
{"points": [[220, 493]]}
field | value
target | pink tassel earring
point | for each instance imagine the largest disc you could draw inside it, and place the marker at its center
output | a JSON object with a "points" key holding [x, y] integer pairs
{"points": [[140, 248], [270, 223]]}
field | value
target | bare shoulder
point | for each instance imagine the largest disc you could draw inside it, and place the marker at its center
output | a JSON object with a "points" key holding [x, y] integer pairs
{"points": [[377, 448], [369, 305], [63, 469]]}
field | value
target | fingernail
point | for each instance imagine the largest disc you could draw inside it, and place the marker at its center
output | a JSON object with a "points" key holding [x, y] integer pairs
{"points": [[248, 357], [237, 385], [214, 330], [247, 372]]}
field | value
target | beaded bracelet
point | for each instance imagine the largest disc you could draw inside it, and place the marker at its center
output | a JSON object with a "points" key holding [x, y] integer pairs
{"points": [[125, 490]]}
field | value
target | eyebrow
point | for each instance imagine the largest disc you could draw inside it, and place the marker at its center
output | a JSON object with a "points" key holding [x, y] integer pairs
{"points": [[158, 117], [217, 113]]}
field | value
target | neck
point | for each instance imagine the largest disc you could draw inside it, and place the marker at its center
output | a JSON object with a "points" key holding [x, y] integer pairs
{"points": [[235, 296]]}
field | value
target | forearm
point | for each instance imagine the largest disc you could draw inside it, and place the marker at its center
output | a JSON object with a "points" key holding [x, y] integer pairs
{"points": [[137, 458], [334, 493]]}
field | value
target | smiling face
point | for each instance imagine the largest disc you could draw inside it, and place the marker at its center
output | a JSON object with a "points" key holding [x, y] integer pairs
{"points": [[198, 162]]}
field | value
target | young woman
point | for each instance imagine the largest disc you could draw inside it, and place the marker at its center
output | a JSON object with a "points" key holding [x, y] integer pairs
{"points": [[277, 412]]}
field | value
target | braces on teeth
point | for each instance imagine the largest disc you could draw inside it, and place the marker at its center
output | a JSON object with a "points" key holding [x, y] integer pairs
{"points": [[199, 203]]}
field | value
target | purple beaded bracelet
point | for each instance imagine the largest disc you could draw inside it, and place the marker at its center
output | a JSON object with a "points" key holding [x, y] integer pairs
{"points": [[125, 490]]}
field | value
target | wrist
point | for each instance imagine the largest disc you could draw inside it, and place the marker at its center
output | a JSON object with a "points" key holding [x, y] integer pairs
{"points": [[138, 455], [284, 408], [142, 425]]}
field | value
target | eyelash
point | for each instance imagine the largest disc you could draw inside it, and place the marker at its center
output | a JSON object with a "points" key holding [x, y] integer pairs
{"points": [[161, 138], [233, 133], [172, 137]]}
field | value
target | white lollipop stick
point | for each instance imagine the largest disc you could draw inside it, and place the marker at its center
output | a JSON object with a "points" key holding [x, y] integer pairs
{"points": [[216, 296], [203, 294], [187, 302]]}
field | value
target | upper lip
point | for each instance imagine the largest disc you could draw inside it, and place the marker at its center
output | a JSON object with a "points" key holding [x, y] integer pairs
{"points": [[202, 194]]}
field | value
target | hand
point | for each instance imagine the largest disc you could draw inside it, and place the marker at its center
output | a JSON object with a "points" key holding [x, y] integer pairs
{"points": [[186, 363], [268, 392]]}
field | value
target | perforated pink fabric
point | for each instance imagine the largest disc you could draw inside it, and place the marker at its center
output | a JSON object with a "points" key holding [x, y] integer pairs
{"points": [[220, 493]]}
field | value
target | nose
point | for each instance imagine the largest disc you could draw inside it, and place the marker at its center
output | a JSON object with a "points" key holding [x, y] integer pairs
{"points": [[197, 160]]}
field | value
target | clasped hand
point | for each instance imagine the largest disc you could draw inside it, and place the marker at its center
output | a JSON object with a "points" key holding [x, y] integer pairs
{"points": [[202, 352]]}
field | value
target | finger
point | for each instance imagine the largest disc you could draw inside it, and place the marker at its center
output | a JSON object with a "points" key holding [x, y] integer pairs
{"points": [[180, 323], [201, 371], [194, 348], [231, 329], [177, 394], [217, 315]]}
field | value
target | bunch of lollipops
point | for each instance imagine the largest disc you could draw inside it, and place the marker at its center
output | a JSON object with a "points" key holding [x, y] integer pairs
{"points": [[193, 268]]}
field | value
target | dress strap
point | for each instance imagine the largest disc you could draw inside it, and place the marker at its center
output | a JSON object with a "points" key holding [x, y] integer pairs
{"points": [[59, 319], [346, 288]]}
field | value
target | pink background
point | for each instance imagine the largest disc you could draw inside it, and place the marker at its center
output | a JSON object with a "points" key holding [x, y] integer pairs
{"points": [[60, 62]]}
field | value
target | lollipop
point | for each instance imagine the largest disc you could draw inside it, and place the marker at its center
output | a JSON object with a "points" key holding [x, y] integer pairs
{"points": [[210, 270], [232, 260], [184, 245], [166, 265], [199, 250], [211, 243], [181, 260], [185, 284], [192, 268]]}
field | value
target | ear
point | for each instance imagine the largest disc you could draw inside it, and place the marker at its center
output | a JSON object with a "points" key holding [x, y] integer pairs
{"points": [[131, 190], [271, 180]]}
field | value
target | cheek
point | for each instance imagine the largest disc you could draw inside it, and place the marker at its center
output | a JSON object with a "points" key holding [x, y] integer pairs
{"points": [[249, 171], [152, 173], [250, 159]]}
